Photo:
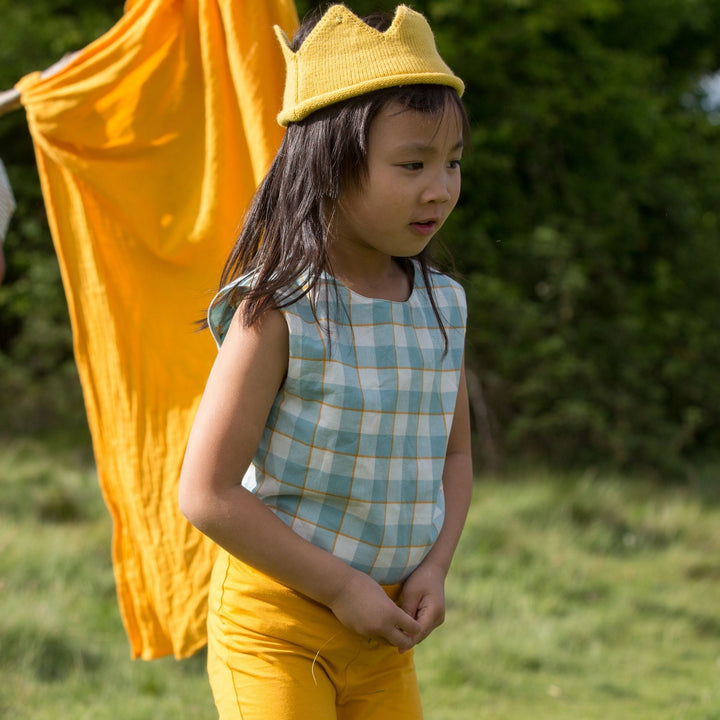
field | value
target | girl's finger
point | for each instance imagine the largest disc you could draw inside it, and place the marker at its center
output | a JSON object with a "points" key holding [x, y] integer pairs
{"points": [[407, 624], [401, 640]]}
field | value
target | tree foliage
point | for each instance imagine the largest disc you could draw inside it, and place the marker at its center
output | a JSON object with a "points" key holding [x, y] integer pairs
{"points": [[39, 388], [591, 199], [587, 235]]}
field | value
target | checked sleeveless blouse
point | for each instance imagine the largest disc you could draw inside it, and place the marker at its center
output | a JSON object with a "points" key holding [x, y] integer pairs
{"points": [[353, 450]]}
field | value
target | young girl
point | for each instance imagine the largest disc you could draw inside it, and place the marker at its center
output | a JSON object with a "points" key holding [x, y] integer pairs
{"points": [[330, 455]]}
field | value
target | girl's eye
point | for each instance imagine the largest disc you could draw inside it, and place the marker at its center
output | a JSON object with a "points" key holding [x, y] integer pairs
{"points": [[412, 166], [455, 164]]}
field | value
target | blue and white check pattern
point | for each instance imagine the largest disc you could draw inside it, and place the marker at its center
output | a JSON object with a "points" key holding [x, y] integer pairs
{"points": [[354, 447]]}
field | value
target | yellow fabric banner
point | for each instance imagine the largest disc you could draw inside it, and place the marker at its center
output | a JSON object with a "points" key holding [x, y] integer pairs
{"points": [[149, 145]]}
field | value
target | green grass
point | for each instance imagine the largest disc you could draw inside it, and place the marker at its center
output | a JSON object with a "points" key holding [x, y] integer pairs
{"points": [[581, 598], [576, 597], [63, 651]]}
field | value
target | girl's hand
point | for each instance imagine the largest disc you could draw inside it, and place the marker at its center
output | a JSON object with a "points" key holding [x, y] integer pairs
{"points": [[423, 597], [362, 606]]}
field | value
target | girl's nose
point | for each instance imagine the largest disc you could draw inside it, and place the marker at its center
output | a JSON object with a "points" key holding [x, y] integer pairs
{"points": [[439, 190]]}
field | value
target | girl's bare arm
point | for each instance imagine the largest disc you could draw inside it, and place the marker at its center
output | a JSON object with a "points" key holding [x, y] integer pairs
{"points": [[457, 481], [241, 388]]}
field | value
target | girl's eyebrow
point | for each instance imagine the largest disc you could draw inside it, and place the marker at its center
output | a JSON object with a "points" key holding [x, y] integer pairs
{"points": [[426, 148]]}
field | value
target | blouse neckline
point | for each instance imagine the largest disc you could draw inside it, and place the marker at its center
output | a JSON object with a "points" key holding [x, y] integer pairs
{"points": [[414, 285]]}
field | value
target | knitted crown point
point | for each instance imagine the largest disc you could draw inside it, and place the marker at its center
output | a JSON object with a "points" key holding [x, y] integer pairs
{"points": [[343, 57]]}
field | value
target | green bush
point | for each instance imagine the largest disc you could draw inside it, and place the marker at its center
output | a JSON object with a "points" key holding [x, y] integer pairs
{"points": [[588, 233]]}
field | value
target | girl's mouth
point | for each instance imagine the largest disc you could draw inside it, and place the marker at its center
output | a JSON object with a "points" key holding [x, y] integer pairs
{"points": [[426, 227]]}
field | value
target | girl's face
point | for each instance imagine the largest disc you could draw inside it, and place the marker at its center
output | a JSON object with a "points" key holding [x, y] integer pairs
{"points": [[413, 183]]}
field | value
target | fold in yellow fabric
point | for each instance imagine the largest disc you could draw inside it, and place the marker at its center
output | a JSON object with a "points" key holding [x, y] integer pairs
{"points": [[149, 145]]}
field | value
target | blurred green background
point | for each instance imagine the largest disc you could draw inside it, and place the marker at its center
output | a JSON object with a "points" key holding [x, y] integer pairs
{"points": [[587, 235]]}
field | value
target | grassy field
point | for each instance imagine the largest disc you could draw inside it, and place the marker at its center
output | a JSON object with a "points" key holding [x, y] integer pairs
{"points": [[577, 597]]}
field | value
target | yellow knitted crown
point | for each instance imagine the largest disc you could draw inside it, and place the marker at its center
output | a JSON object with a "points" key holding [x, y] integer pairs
{"points": [[342, 57]]}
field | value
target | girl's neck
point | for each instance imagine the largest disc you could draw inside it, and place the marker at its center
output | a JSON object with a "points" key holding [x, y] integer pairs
{"points": [[380, 277]]}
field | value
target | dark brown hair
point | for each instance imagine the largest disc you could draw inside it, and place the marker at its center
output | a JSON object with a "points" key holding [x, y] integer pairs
{"points": [[284, 235]]}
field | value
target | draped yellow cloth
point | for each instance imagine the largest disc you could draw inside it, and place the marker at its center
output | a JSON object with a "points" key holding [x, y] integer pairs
{"points": [[149, 145]]}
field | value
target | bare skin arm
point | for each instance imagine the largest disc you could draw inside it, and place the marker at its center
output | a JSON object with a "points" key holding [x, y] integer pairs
{"points": [[242, 385], [423, 594]]}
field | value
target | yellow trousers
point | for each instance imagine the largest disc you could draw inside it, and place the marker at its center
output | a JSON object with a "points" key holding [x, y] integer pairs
{"points": [[274, 654]]}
